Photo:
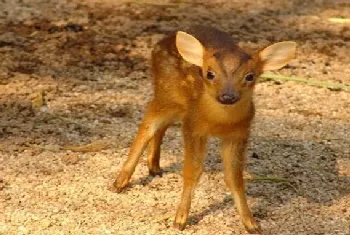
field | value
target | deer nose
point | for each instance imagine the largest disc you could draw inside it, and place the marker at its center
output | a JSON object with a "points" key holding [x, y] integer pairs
{"points": [[228, 98]]}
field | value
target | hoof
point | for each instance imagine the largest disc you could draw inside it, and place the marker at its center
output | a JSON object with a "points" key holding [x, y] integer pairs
{"points": [[120, 183], [253, 228], [181, 218], [156, 172], [179, 226]]}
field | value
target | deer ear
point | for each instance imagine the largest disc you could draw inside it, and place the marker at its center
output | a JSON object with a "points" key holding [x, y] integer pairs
{"points": [[277, 55], [189, 48]]}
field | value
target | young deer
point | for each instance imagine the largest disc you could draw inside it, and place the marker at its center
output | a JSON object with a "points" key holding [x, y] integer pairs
{"points": [[204, 80]]}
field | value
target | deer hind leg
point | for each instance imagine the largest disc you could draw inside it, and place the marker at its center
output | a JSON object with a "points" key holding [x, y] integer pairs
{"points": [[154, 151], [152, 122]]}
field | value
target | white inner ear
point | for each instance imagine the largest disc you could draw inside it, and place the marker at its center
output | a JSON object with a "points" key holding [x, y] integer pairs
{"points": [[189, 48], [277, 55]]}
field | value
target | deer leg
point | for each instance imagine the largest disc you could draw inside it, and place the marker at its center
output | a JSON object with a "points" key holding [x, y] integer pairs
{"points": [[193, 167], [154, 152], [152, 122], [233, 160]]}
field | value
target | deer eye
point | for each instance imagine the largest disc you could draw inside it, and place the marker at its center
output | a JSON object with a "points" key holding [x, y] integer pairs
{"points": [[210, 75], [249, 77]]}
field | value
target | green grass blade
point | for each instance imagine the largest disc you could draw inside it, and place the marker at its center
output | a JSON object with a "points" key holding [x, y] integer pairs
{"points": [[339, 20], [329, 85]]}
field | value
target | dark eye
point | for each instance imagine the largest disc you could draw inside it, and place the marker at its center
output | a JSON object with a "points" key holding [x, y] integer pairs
{"points": [[210, 75], [249, 77]]}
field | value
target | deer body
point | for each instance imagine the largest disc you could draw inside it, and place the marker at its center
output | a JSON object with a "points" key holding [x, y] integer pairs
{"points": [[204, 80]]}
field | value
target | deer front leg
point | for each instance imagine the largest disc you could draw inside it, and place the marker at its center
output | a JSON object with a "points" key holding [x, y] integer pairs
{"points": [[193, 167], [233, 151]]}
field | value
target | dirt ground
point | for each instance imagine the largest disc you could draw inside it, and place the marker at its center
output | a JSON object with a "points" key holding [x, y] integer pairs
{"points": [[76, 72]]}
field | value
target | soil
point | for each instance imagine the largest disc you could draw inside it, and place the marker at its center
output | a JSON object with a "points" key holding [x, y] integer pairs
{"points": [[76, 72]]}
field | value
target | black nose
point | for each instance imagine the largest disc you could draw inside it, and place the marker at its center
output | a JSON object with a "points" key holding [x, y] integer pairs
{"points": [[228, 98]]}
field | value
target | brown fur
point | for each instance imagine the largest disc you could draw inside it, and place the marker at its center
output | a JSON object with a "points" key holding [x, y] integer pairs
{"points": [[182, 93]]}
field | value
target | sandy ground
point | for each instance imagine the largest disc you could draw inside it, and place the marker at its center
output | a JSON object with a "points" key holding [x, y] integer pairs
{"points": [[90, 59]]}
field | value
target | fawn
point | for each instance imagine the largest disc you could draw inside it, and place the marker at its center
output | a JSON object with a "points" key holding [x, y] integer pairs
{"points": [[203, 79]]}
